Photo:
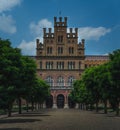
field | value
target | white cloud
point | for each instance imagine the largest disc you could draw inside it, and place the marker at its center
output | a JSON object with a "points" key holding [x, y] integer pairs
{"points": [[7, 24], [91, 33], [28, 48], [87, 33], [37, 29], [6, 5]]}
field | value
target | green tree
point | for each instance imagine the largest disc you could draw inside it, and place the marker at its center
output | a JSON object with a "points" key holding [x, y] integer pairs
{"points": [[18, 77], [80, 94], [103, 82], [39, 92], [91, 83], [9, 64], [115, 73], [26, 79]]}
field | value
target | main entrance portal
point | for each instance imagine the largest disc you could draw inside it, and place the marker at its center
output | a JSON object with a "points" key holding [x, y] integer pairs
{"points": [[60, 101]]}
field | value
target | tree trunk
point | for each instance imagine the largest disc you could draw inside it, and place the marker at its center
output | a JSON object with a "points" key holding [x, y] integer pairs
{"points": [[97, 107], [19, 103], [9, 112], [9, 109], [27, 106], [32, 105], [117, 109], [105, 107]]}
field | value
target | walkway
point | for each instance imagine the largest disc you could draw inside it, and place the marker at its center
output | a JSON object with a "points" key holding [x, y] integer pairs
{"points": [[60, 119]]}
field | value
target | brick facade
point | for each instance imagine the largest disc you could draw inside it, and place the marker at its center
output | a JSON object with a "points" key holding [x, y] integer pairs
{"points": [[61, 60]]}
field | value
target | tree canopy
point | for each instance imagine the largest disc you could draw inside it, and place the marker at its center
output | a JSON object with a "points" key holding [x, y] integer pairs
{"points": [[100, 83], [18, 77]]}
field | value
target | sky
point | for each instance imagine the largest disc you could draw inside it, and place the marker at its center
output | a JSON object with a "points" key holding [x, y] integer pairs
{"points": [[98, 21]]}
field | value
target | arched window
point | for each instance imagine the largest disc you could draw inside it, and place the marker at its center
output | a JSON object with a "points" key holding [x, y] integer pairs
{"points": [[49, 80], [60, 81], [70, 80]]}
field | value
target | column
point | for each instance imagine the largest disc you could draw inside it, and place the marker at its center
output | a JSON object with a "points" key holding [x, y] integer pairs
{"points": [[66, 101], [54, 102]]}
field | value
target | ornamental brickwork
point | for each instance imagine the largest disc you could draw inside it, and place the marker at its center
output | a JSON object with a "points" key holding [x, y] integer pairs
{"points": [[61, 60]]}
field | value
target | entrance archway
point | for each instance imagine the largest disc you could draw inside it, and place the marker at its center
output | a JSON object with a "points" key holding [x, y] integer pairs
{"points": [[49, 102], [60, 101]]}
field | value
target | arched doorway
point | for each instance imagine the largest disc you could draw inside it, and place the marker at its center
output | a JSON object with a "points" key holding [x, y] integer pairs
{"points": [[71, 103], [49, 102], [60, 101]]}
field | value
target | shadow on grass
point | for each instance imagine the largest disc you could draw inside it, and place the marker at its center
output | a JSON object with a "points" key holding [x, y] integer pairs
{"points": [[113, 116], [109, 114], [12, 129], [30, 115], [33, 113], [3, 121]]}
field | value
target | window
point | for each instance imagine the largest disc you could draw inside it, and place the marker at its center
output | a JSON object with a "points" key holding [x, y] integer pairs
{"points": [[71, 65], [79, 65], [40, 64], [60, 65], [86, 66], [49, 50], [60, 50], [51, 41], [60, 38], [49, 65], [70, 80], [71, 50], [49, 80], [60, 81]]}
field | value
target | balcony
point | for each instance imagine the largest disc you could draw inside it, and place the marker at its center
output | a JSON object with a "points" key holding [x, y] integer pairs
{"points": [[60, 87]]}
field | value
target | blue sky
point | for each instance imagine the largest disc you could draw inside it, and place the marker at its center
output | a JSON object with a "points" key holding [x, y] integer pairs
{"points": [[98, 21]]}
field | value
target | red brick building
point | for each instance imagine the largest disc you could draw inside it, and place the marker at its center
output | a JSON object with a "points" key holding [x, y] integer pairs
{"points": [[61, 60]]}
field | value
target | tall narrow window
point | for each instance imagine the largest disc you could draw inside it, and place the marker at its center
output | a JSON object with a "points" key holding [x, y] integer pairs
{"points": [[60, 81], [60, 50], [49, 65], [60, 65], [49, 80], [70, 81], [60, 38], [71, 65], [40, 64], [79, 65], [71, 50], [49, 50]]}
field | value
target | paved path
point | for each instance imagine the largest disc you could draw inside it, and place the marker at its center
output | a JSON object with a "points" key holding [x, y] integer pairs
{"points": [[60, 119]]}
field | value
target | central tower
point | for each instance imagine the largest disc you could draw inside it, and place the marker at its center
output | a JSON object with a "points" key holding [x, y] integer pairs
{"points": [[60, 61]]}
